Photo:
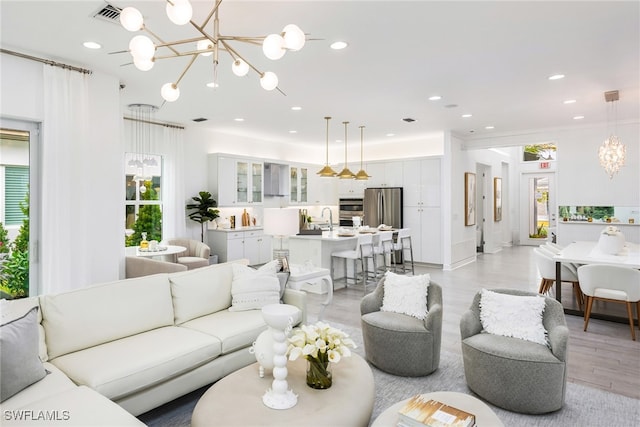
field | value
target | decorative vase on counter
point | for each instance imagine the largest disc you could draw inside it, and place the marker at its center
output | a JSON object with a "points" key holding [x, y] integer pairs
{"points": [[611, 241]]}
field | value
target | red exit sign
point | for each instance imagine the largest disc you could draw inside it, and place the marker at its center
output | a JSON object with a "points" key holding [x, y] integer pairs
{"points": [[544, 165]]}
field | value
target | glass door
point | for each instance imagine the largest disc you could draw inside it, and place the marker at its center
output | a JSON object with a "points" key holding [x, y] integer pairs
{"points": [[256, 182], [538, 207], [303, 185], [242, 182], [294, 185]]}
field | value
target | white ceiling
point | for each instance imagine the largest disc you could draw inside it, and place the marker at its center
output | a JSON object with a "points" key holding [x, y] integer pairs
{"points": [[491, 59]]}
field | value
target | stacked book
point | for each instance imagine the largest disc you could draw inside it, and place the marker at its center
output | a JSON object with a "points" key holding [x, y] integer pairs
{"points": [[421, 412]]}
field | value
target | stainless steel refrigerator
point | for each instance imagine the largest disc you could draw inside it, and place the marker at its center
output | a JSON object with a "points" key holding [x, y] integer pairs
{"points": [[383, 206]]}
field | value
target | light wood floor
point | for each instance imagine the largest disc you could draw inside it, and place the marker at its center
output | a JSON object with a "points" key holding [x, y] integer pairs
{"points": [[604, 357]]}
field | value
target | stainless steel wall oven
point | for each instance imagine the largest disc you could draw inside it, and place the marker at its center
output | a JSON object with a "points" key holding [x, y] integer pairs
{"points": [[348, 208]]}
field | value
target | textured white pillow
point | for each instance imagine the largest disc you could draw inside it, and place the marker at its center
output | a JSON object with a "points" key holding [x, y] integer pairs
{"points": [[405, 294], [252, 289], [514, 316]]}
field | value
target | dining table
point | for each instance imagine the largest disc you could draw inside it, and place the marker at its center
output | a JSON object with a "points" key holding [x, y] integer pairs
{"points": [[163, 250], [588, 252]]}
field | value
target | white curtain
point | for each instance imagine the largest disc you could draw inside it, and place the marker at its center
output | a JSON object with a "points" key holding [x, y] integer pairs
{"points": [[173, 199], [65, 260]]}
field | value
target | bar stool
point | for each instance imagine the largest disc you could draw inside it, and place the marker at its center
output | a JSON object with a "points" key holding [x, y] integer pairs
{"points": [[384, 248], [403, 245], [363, 252]]}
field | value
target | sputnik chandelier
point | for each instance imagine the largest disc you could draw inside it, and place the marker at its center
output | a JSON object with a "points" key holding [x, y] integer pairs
{"points": [[612, 152], [146, 52]]}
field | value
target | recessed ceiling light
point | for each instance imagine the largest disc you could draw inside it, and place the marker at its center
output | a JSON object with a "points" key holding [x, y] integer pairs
{"points": [[556, 77], [338, 45], [239, 119], [451, 106], [213, 84], [569, 101], [578, 117], [489, 127], [296, 108], [466, 116], [435, 98], [391, 134], [293, 131], [92, 45]]}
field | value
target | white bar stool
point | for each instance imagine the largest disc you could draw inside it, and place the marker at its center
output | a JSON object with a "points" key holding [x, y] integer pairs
{"points": [[311, 279], [403, 245], [363, 252]]}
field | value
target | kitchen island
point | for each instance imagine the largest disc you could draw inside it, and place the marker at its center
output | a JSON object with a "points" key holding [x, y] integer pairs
{"points": [[317, 249]]}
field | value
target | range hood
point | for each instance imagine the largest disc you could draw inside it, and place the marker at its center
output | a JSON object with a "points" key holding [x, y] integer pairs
{"points": [[276, 180]]}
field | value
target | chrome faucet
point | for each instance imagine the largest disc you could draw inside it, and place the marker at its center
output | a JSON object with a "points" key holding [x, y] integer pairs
{"points": [[330, 217]]}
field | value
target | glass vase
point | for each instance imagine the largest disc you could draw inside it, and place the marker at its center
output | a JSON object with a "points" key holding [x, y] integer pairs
{"points": [[319, 374]]}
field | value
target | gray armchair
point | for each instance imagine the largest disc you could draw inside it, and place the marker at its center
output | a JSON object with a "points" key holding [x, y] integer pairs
{"points": [[512, 373], [196, 255], [400, 344]]}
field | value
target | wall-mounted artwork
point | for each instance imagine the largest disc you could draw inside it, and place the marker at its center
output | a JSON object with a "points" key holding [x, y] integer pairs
{"points": [[497, 199], [469, 198]]}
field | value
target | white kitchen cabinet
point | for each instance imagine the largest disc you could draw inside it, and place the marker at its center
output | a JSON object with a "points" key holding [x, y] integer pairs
{"points": [[299, 185], [426, 233], [231, 245], [351, 188], [322, 190], [422, 182], [385, 174], [235, 181]]}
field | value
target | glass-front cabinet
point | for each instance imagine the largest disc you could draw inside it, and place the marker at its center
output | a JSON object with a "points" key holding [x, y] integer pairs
{"points": [[299, 184], [249, 182]]}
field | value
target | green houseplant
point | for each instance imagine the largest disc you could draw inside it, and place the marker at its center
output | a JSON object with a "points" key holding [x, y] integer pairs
{"points": [[203, 210]]}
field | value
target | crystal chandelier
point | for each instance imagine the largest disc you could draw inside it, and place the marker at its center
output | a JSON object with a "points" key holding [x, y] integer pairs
{"points": [[612, 152], [145, 52]]}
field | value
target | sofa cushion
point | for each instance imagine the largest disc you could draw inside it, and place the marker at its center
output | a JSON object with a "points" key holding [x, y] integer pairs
{"points": [[20, 365], [234, 329], [55, 382], [125, 366], [12, 309], [98, 314], [253, 289], [201, 291], [79, 406], [516, 316]]}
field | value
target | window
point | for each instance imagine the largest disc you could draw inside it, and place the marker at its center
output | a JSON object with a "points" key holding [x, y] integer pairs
{"points": [[16, 187], [143, 204], [539, 152]]}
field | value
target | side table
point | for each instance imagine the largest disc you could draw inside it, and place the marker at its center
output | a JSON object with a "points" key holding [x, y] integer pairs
{"points": [[312, 279]]}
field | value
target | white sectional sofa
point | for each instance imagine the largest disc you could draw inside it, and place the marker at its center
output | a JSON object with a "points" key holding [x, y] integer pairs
{"points": [[119, 349]]}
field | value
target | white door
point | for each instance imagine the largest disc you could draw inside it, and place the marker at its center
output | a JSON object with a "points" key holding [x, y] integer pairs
{"points": [[537, 208]]}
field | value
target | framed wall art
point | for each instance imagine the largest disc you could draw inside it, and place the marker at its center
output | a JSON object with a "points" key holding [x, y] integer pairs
{"points": [[469, 198], [497, 199]]}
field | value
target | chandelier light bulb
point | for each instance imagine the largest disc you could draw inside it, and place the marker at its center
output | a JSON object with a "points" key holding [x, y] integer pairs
{"points": [[142, 47], [240, 68], [170, 92], [131, 19], [205, 45], [294, 37], [269, 81], [273, 46], [143, 64], [179, 11]]}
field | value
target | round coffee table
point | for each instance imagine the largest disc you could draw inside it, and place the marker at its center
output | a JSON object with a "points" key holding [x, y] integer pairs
{"points": [[484, 415], [236, 400]]}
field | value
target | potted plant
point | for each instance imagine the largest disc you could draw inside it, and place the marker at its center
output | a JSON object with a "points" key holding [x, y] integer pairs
{"points": [[203, 210]]}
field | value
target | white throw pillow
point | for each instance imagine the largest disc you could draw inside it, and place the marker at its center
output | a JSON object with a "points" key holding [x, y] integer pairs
{"points": [[406, 294], [514, 316], [252, 289]]}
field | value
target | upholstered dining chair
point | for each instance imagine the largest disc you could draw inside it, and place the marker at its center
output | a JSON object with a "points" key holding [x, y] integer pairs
{"points": [[514, 373], [195, 256], [610, 283], [398, 343], [547, 269]]}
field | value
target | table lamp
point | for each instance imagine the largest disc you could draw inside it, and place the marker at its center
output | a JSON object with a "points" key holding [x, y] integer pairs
{"points": [[280, 223]]}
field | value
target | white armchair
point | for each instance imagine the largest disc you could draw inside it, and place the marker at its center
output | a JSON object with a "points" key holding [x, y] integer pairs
{"points": [[195, 256]]}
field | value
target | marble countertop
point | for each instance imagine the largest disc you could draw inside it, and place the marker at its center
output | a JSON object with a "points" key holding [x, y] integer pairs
{"points": [[233, 230]]}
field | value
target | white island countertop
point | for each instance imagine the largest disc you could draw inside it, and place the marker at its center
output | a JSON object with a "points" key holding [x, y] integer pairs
{"points": [[326, 235]]}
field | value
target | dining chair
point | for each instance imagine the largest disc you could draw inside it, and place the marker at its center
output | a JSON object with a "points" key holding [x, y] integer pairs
{"points": [[547, 269], [613, 284], [403, 246], [196, 254], [362, 252]]}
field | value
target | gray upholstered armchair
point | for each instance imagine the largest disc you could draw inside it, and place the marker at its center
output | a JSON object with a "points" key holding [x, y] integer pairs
{"points": [[400, 344], [512, 373], [196, 255]]}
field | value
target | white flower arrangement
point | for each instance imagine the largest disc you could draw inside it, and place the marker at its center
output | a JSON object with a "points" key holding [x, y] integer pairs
{"points": [[610, 230], [321, 342]]}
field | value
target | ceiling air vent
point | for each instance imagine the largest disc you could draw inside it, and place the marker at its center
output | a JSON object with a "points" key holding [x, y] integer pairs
{"points": [[108, 13], [200, 119], [409, 120]]}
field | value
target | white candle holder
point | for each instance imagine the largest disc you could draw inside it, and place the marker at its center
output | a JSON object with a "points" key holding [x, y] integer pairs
{"points": [[280, 317]]}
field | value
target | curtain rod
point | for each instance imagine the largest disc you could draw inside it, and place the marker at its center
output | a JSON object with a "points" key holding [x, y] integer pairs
{"points": [[167, 125], [47, 61]]}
